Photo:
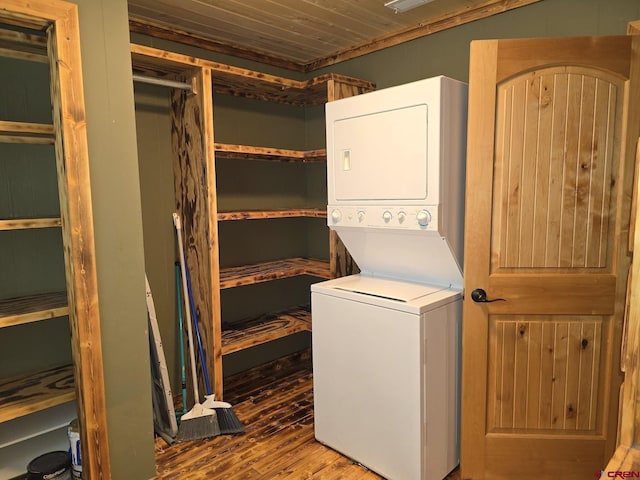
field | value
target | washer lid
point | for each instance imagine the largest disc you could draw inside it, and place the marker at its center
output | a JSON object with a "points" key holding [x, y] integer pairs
{"points": [[386, 288], [416, 256]]}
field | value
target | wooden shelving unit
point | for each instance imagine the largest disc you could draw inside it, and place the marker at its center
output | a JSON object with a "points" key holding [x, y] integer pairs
{"points": [[42, 390], [269, 326], [45, 180], [196, 184]]}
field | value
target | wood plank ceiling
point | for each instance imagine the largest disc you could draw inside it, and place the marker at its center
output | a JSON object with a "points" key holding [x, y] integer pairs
{"points": [[302, 35]]}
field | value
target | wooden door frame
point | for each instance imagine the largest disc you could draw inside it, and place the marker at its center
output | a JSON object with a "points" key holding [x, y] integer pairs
{"points": [[627, 455], [59, 19]]}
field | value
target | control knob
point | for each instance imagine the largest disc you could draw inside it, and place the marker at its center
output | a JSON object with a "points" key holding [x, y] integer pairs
{"points": [[386, 216], [402, 216], [360, 216], [424, 218], [336, 216]]}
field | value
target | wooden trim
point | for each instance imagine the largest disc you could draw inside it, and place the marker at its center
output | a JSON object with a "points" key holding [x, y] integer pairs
{"points": [[633, 28]]}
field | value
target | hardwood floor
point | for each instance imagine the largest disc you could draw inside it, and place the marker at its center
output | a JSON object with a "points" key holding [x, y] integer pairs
{"points": [[276, 405]]}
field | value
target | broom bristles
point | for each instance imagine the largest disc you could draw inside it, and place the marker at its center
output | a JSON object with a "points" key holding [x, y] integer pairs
{"points": [[198, 423], [227, 419]]}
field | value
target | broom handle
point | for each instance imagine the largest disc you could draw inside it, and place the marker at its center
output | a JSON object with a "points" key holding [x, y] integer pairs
{"points": [[183, 371], [196, 330], [187, 311]]}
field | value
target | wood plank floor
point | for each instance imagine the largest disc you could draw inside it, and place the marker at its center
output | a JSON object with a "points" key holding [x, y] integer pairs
{"points": [[276, 405]]}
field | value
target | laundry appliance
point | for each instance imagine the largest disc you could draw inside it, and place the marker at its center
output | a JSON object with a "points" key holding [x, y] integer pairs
{"points": [[386, 342]]}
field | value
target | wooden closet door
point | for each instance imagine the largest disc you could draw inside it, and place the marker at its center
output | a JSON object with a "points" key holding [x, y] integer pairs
{"points": [[549, 182]]}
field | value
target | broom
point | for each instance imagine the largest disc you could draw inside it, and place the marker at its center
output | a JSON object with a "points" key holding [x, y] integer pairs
{"points": [[227, 419], [199, 422]]}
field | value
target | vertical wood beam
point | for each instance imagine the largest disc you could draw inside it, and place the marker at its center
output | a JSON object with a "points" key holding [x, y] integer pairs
{"points": [[72, 160], [194, 174]]}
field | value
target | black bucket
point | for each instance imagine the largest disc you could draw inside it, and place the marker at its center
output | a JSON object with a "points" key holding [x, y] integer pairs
{"points": [[50, 466]]}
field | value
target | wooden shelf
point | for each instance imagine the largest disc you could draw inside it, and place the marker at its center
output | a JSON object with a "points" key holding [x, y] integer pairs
{"points": [[273, 270], [19, 310], [21, 132], [240, 82], [32, 393], [26, 46], [264, 214], [265, 328], [244, 152], [25, 223]]}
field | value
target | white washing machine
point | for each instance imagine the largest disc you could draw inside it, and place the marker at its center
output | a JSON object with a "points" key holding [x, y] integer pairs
{"points": [[385, 355], [386, 342]]}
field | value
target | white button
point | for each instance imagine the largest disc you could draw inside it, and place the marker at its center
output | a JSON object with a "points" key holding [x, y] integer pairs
{"points": [[424, 218], [386, 216]]}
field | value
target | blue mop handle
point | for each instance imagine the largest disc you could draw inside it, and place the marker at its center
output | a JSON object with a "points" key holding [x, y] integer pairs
{"points": [[183, 372], [203, 361]]}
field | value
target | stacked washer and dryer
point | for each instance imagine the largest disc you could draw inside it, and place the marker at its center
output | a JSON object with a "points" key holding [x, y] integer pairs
{"points": [[386, 342]]}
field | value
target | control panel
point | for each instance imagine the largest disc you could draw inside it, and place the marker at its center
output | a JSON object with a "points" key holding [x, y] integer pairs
{"points": [[412, 217]]}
